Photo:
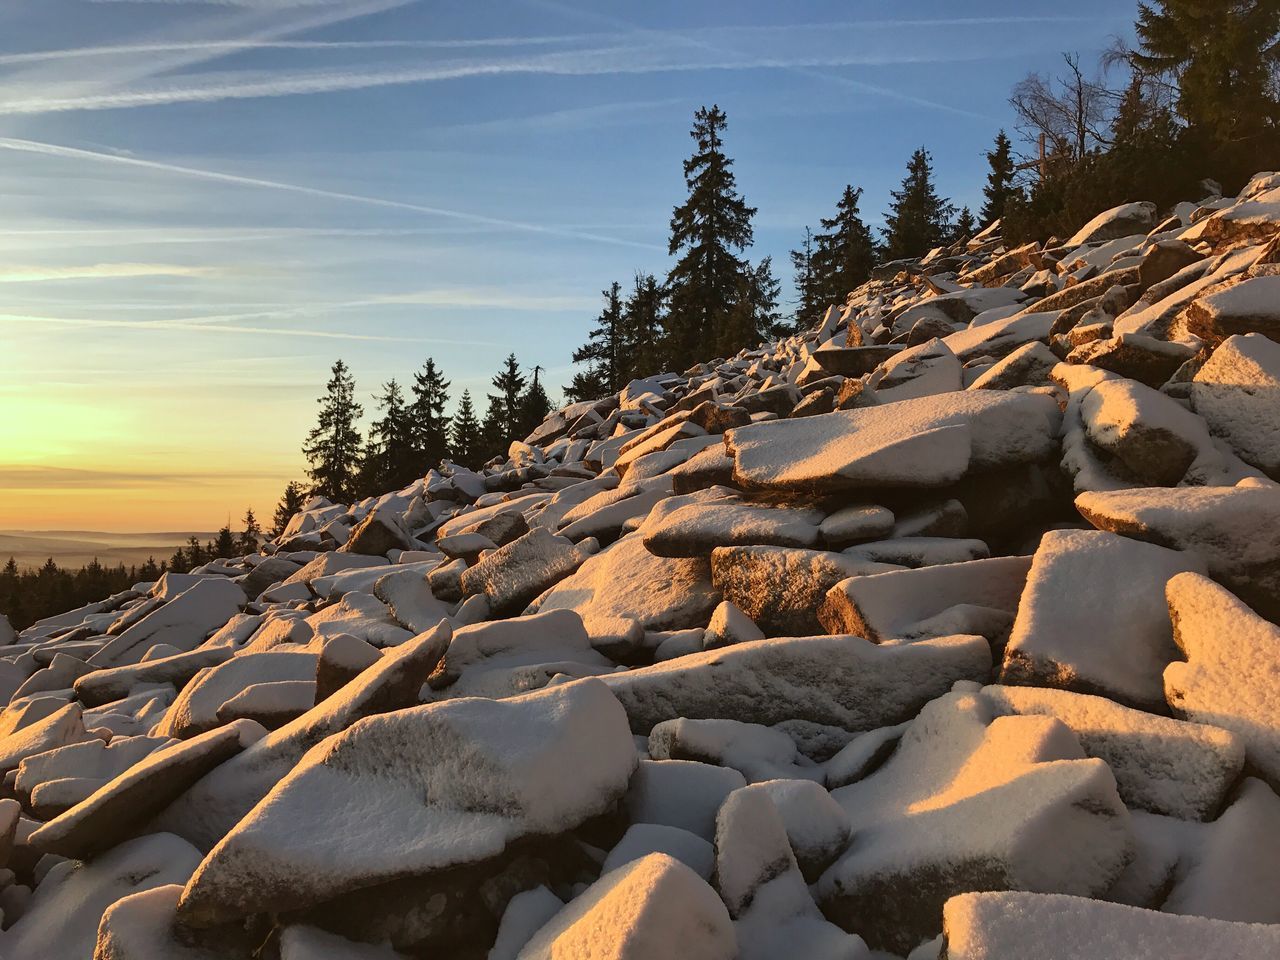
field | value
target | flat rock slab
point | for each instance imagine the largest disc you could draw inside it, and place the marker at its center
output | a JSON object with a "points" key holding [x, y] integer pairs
{"points": [[972, 801], [695, 524], [127, 802], [841, 681], [1093, 619], [1238, 394], [514, 575], [1231, 676], [926, 442], [1002, 926], [416, 791], [1236, 530], [183, 622]]}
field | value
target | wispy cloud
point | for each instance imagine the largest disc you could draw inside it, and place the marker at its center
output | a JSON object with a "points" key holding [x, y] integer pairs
{"points": [[101, 271], [75, 153], [41, 477]]}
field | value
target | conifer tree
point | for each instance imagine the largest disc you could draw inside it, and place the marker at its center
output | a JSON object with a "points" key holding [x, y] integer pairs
{"points": [[965, 227], [390, 459], [225, 544], [809, 307], [290, 503], [333, 446], [641, 338], [465, 439], [509, 382], [178, 563], [494, 436], [601, 352], [708, 279], [251, 535], [918, 219], [429, 425], [844, 253], [196, 554], [999, 186], [534, 407]]}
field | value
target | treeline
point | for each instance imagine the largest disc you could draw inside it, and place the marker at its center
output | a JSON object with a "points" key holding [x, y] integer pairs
{"points": [[1199, 97], [410, 434], [35, 593]]}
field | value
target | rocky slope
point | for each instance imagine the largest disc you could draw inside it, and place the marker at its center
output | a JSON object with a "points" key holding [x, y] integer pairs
{"points": [[947, 628]]}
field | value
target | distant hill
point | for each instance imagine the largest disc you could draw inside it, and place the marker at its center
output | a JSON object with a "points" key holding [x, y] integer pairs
{"points": [[74, 548]]}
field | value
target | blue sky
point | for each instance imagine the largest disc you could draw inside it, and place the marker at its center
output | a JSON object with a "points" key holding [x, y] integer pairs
{"points": [[205, 203]]}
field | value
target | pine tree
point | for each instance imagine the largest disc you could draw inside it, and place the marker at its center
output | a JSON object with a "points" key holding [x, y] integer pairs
{"points": [[429, 424], [534, 406], [509, 382], [642, 316], [1223, 57], [708, 280], [179, 563], [918, 219], [494, 436], [225, 544], [466, 439], [333, 446], [390, 460], [965, 227], [601, 352], [251, 536], [196, 554], [844, 253], [808, 302], [999, 186], [290, 503]]}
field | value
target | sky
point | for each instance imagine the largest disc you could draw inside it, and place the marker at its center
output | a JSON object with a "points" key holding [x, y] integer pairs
{"points": [[206, 202]]}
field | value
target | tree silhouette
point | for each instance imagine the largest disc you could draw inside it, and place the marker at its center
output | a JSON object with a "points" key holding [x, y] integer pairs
{"points": [[332, 448], [466, 438], [429, 424], [918, 219]]}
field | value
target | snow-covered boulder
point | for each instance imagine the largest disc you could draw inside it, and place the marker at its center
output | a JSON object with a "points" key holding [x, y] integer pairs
{"points": [[1117, 222], [182, 622], [1238, 394], [696, 524], [511, 576]]}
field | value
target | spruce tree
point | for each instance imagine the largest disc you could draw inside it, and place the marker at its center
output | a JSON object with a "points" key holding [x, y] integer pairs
{"points": [[601, 352], [809, 307], [641, 337], [429, 425], [965, 227], [1223, 57], [534, 407], [251, 535], [390, 459], [225, 544], [465, 439], [999, 186], [332, 448], [918, 219], [844, 253], [509, 382], [495, 438], [708, 280], [290, 503]]}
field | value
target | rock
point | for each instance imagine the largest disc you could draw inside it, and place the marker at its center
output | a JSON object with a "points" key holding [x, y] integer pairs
{"points": [[855, 524], [195, 711], [342, 659], [59, 728], [1169, 767], [526, 913], [1028, 365], [1163, 260], [968, 802], [755, 751], [514, 575], [1155, 438], [695, 524], [217, 802], [1092, 617], [1231, 676], [998, 926], [416, 791], [1121, 221], [915, 552], [642, 839], [377, 534], [817, 827], [465, 546], [728, 626], [360, 615], [928, 442], [840, 680], [780, 589], [82, 768], [1246, 306], [104, 686], [126, 803], [183, 622], [680, 793], [270, 571], [625, 582], [140, 927], [977, 596], [271, 704], [853, 361], [303, 942], [1238, 394], [1149, 361], [63, 916], [654, 908]]}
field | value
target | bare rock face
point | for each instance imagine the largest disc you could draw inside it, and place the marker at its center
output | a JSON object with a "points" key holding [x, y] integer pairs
{"points": [[377, 534]]}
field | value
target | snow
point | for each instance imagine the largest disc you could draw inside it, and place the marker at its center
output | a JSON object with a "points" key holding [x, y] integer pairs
{"points": [[642, 839], [916, 552], [361, 615], [183, 622], [512, 576], [58, 729], [1116, 222], [728, 626], [680, 793], [140, 927], [1155, 438], [1092, 617], [999, 926], [654, 908], [695, 524], [817, 827], [1238, 393], [299, 942], [968, 802], [195, 711], [526, 913], [855, 524], [901, 603], [757, 752], [927, 442], [1231, 676], [1166, 766], [271, 704], [404, 793], [843, 681]]}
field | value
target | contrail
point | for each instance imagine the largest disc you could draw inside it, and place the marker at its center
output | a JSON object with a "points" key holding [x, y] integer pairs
{"points": [[56, 150]]}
